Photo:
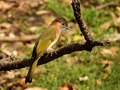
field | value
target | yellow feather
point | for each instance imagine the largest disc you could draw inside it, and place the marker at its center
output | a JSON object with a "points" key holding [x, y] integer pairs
{"points": [[40, 51], [44, 41]]}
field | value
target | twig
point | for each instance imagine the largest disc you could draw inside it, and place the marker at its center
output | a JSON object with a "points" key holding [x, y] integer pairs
{"points": [[106, 5], [76, 4]]}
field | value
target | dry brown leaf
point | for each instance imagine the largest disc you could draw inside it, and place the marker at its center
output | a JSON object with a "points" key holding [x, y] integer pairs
{"points": [[5, 25], [2, 80], [107, 65], [12, 35], [48, 19], [5, 6], [40, 12], [36, 88], [23, 6], [9, 75], [106, 75], [6, 52], [114, 50], [106, 52], [106, 62], [112, 38], [40, 70], [66, 86], [18, 46], [110, 51], [34, 4], [2, 35], [71, 59], [115, 21], [118, 10], [33, 28], [17, 86], [118, 29], [83, 78], [98, 82], [106, 25], [22, 83]]}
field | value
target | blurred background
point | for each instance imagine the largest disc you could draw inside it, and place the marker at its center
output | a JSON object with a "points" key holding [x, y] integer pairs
{"points": [[21, 22]]}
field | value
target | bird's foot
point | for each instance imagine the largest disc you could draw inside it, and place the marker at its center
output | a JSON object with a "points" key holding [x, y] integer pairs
{"points": [[50, 50]]}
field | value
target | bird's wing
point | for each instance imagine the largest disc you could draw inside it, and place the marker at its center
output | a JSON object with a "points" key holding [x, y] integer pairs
{"points": [[44, 40]]}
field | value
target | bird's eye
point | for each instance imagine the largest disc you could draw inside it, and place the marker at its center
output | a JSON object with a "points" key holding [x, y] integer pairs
{"points": [[63, 24]]}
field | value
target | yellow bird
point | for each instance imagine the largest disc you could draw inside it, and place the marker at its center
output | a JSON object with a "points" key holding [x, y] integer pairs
{"points": [[45, 41]]}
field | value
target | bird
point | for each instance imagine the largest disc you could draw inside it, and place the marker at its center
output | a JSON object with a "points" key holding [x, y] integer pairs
{"points": [[44, 43]]}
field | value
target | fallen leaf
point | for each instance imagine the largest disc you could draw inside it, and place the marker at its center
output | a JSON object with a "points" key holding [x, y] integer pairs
{"points": [[110, 51], [48, 19], [2, 35], [106, 75], [5, 25], [114, 50], [34, 4], [40, 70], [107, 65], [33, 28], [4, 6], [22, 83], [66, 86], [118, 29], [71, 59], [36, 88], [12, 35], [118, 10], [2, 80], [9, 75], [23, 6], [106, 52], [40, 12], [113, 37], [106, 62], [106, 25], [83, 78], [98, 82], [115, 21]]}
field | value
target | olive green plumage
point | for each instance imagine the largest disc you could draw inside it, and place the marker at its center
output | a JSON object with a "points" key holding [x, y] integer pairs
{"points": [[45, 41]]}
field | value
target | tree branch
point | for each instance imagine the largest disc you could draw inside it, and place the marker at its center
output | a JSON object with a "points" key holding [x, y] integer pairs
{"points": [[76, 4], [47, 57]]}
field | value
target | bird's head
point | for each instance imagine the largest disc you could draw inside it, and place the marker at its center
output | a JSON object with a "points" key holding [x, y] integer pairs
{"points": [[61, 23]]}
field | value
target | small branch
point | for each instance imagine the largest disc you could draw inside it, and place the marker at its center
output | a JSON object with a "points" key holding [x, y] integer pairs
{"points": [[76, 4], [106, 5], [47, 57]]}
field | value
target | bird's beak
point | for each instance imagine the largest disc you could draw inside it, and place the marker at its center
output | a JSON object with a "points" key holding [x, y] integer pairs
{"points": [[68, 28]]}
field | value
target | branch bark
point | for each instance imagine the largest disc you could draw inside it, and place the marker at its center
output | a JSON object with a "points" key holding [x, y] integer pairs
{"points": [[76, 4], [47, 57]]}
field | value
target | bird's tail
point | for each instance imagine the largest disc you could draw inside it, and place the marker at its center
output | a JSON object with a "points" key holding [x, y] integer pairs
{"points": [[31, 71]]}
